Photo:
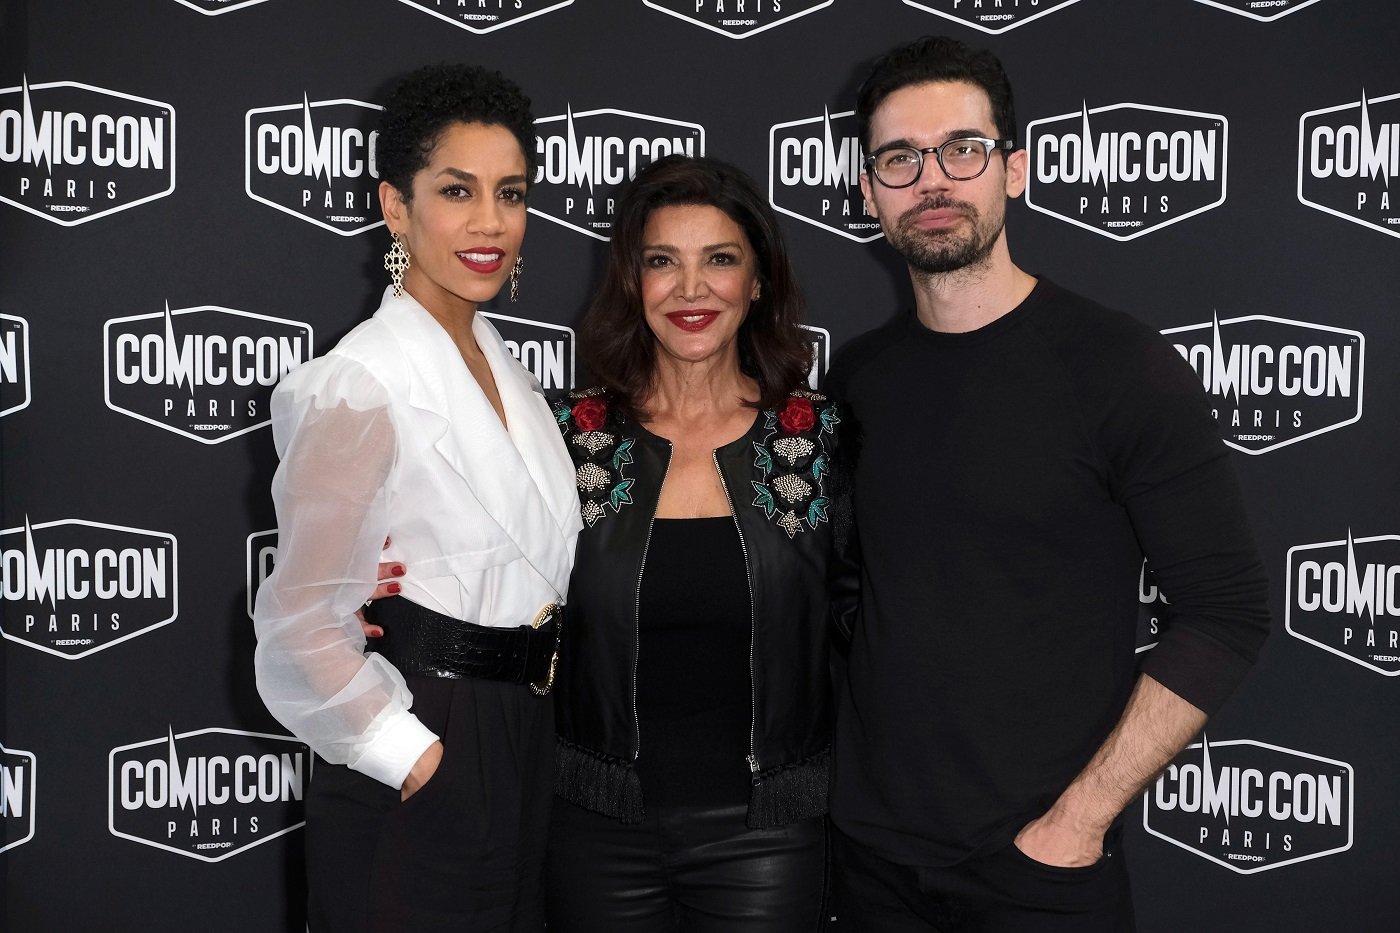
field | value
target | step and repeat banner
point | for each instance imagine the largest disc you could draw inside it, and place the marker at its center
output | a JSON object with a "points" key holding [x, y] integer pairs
{"points": [[188, 211]]}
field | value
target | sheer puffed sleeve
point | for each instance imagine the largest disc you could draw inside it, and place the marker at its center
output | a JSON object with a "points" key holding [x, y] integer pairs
{"points": [[333, 428]]}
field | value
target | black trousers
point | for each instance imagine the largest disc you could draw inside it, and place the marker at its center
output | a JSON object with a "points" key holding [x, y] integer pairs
{"points": [[1004, 892], [466, 852], [688, 869]]}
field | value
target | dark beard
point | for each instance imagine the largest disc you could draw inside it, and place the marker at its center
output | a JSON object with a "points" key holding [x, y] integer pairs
{"points": [[937, 253]]}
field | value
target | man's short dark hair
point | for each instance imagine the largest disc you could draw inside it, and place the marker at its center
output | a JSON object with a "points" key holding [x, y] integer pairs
{"points": [[936, 59]]}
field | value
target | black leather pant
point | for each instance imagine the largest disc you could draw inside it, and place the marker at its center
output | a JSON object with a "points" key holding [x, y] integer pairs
{"points": [[689, 869]]}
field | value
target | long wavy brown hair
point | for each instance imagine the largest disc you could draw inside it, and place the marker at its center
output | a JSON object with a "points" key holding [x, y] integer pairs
{"points": [[618, 347]]}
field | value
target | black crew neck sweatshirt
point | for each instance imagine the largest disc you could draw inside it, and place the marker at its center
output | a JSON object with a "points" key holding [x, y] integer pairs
{"points": [[1009, 482]]}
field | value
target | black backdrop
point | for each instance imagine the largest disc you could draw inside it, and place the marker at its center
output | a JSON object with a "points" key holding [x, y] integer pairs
{"points": [[140, 772]]}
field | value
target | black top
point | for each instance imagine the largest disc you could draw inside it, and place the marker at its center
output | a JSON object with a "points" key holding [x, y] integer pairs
{"points": [[789, 496], [1009, 482], [693, 705]]}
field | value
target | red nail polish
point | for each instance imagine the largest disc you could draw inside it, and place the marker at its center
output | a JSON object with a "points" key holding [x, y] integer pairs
{"points": [[393, 587], [398, 570]]}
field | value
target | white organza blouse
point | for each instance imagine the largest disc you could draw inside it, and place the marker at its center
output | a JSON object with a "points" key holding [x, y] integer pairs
{"points": [[389, 435]]}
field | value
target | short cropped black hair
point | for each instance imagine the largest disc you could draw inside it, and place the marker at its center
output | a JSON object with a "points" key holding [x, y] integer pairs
{"points": [[424, 103], [930, 59]]}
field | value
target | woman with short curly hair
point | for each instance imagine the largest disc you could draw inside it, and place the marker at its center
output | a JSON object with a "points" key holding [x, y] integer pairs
{"points": [[429, 803]]}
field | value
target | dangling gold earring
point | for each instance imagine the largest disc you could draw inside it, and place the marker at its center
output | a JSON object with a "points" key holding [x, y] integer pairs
{"points": [[515, 278], [396, 262]]}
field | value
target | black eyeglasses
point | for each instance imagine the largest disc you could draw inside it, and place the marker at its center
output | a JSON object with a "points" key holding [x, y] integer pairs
{"points": [[961, 160]]}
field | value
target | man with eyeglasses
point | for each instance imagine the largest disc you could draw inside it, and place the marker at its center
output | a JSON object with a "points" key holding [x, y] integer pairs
{"points": [[1020, 450]]}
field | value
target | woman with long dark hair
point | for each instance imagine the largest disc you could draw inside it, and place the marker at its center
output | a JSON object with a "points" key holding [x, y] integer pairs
{"points": [[694, 712]]}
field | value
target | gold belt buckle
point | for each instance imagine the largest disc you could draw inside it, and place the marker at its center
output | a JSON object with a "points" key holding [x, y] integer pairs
{"points": [[550, 613]]}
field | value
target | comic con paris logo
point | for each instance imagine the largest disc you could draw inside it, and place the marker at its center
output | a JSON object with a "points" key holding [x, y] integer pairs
{"points": [[316, 161], [1260, 10], [585, 156], [483, 16], [738, 19], [14, 364], [991, 16], [1344, 597], [1126, 170], [206, 373], [1249, 806], [814, 168], [16, 797], [1349, 161], [72, 588], [209, 794], [1272, 381], [71, 152]]}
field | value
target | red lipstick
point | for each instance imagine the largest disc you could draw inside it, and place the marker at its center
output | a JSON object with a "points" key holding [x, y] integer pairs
{"points": [[483, 259], [693, 321]]}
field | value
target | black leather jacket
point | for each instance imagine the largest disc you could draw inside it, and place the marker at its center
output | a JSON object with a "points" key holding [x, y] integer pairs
{"points": [[780, 485]]}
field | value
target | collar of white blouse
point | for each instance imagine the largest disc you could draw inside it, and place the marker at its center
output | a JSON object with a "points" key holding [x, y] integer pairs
{"points": [[522, 477]]}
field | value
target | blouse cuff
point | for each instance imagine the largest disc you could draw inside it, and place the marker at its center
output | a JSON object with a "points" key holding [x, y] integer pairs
{"points": [[393, 752]]}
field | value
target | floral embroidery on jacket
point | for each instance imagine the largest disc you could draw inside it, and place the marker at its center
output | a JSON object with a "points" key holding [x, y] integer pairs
{"points": [[792, 461], [590, 426]]}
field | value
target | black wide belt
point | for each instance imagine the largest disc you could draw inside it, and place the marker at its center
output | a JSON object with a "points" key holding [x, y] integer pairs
{"points": [[418, 640]]}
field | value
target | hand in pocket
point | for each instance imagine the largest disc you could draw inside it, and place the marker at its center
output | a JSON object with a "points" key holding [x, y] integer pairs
{"points": [[423, 770]]}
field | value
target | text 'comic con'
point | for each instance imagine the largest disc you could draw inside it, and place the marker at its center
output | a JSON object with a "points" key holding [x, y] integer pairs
{"points": [[190, 211]]}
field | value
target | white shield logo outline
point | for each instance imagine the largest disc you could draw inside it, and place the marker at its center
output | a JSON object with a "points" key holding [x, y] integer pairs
{"points": [[112, 791], [1224, 168], [175, 312], [1360, 373], [740, 35], [1303, 157], [1288, 601], [971, 24], [248, 161], [609, 111], [228, 7], [174, 585], [59, 219], [1350, 814], [773, 184], [23, 351], [1259, 17], [31, 796], [482, 30]]}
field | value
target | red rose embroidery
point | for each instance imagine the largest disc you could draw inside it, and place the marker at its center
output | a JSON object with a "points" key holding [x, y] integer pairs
{"points": [[589, 413], [797, 415]]}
